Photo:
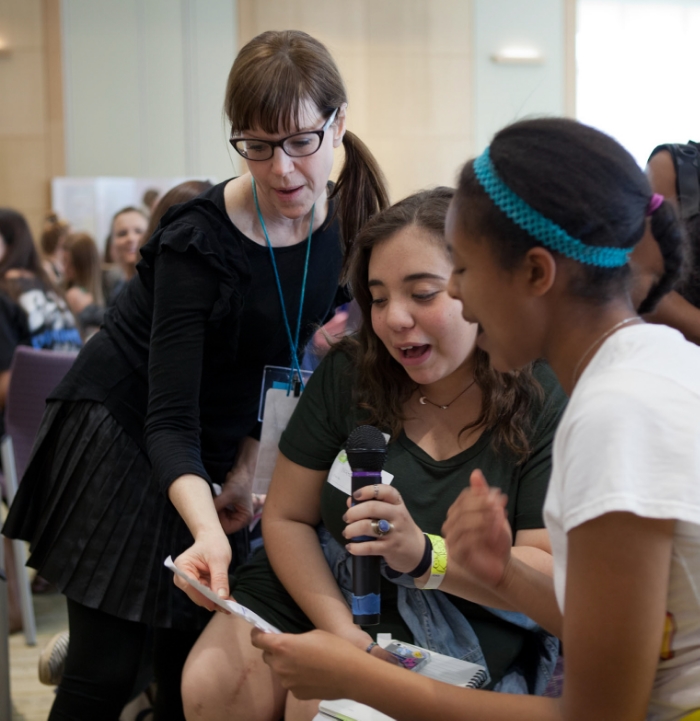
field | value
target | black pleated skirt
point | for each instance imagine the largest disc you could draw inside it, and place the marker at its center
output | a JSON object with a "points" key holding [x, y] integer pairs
{"points": [[98, 526]]}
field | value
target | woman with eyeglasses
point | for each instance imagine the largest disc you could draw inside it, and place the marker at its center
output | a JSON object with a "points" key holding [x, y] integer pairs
{"points": [[163, 402]]}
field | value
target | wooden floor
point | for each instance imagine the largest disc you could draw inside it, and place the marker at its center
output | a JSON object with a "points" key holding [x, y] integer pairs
{"points": [[32, 700]]}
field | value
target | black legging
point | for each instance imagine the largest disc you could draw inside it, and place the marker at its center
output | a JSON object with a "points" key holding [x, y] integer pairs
{"points": [[110, 661]]}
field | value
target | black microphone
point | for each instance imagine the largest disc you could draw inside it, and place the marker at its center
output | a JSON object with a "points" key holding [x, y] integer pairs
{"points": [[366, 451]]}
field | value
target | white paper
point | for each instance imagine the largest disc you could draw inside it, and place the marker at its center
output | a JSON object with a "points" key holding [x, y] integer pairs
{"points": [[235, 608], [279, 407], [346, 709], [340, 474]]}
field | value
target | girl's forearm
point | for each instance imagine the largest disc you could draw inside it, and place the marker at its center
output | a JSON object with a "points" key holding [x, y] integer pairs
{"points": [[297, 558], [530, 591], [415, 698], [460, 583]]}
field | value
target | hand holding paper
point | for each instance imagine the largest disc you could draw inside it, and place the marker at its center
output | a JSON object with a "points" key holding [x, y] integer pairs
{"points": [[228, 605]]}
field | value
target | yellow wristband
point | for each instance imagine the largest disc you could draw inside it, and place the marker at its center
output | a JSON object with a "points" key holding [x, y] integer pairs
{"points": [[439, 565]]}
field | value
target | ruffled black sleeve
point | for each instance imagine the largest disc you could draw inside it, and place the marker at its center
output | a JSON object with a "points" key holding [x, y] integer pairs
{"points": [[185, 294], [197, 273]]}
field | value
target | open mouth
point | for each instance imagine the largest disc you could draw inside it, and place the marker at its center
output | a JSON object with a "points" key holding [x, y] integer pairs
{"points": [[414, 352]]}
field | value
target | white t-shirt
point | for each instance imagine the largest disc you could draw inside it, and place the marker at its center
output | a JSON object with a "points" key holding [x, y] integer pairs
{"points": [[629, 440]]}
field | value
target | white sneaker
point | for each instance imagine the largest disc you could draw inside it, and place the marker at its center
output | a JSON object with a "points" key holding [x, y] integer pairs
{"points": [[52, 660]]}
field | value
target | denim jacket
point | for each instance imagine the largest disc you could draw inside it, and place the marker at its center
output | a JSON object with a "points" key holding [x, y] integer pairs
{"points": [[438, 626]]}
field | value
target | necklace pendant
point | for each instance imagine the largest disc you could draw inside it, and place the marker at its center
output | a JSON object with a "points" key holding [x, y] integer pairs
{"points": [[444, 408]]}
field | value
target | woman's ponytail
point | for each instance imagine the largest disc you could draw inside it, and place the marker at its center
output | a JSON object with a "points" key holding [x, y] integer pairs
{"points": [[670, 236], [360, 190]]}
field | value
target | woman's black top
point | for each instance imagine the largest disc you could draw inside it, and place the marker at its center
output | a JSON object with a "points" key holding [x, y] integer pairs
{"points": [[179, 360]]}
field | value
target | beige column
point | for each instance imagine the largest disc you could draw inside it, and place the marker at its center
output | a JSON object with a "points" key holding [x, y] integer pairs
{"points": [[31, 106]]}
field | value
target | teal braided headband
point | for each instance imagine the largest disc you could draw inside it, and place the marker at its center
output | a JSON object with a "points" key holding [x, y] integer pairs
{"points": [[539, 227]]}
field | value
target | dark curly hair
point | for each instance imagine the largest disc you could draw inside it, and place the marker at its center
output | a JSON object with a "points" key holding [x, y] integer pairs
{"points": [[383, 386]]}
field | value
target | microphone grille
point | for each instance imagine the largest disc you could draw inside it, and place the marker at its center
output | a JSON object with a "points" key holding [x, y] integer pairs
{"points": [[366, 448]]}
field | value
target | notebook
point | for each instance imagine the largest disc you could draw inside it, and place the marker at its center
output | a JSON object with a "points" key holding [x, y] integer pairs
{"points": [[439, 667]]}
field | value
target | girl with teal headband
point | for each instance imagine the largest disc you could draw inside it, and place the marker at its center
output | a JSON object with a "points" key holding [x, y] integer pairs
{"points": [[540, 229]]}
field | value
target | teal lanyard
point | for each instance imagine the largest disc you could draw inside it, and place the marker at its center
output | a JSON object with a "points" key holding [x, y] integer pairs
{"points": [[293, 342]]}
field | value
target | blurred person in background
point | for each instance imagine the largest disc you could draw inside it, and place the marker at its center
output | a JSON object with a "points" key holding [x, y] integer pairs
{"points": [[149, 199], [127, 235], [53, 238], [83, 282], [32, 313], [179, 194], [674, 172]]}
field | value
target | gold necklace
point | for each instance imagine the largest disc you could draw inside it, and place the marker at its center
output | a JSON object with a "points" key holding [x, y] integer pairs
{"points": [[424, 399], [598, 340]]}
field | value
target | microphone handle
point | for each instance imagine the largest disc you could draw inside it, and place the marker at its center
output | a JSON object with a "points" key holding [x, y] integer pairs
{"points": [[366, 579]]}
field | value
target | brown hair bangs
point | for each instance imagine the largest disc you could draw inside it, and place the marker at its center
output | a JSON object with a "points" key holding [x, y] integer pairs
{"points": [[274, 76]]}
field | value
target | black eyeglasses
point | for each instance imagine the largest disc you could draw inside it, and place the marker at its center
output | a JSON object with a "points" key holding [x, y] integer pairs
{"points": [[298, 145]]}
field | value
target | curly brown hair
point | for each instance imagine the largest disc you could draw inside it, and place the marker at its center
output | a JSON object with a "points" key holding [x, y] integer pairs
{"points": [[383, 387]]}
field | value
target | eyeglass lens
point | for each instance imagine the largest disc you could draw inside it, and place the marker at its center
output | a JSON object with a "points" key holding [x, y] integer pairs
{"points": [[297, 146]]}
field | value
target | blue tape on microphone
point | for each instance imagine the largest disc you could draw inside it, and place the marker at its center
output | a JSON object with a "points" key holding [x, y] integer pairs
{"points": [[366, 605]]}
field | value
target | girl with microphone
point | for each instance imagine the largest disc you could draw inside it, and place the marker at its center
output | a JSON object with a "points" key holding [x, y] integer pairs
{"points": [[541, 230], [415, 372]]}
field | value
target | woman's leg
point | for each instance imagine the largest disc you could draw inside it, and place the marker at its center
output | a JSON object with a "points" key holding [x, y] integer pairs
{"points": [[105, 655], [225, 677], [170, 650]]}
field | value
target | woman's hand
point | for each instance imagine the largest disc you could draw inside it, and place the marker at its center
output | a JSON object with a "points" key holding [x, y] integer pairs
{"points": [[403, 546], [477, 532], [310, 665], [207, 561], [235, 504]]}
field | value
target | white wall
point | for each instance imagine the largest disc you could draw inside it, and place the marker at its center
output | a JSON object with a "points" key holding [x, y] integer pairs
{"points": [[145, 79], [637, 71], [144, 86], [504, 93]]}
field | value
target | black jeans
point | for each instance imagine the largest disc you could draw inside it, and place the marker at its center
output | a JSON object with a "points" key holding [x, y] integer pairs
{"points": [[111, 661]]}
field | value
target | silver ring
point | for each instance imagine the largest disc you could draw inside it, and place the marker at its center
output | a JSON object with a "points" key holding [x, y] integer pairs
{"points": [[382, 527], [376, 490]]}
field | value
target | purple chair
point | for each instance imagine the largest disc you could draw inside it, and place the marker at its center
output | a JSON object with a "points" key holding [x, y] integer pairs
{"points": [[34, 374]]}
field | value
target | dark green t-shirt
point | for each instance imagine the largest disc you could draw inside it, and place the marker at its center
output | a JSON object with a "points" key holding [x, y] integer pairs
{"points": [[322, 422]]}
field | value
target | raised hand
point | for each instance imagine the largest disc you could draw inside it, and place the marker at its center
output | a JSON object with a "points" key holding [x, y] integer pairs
{"points": [[477, 532], [402, 546]]}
